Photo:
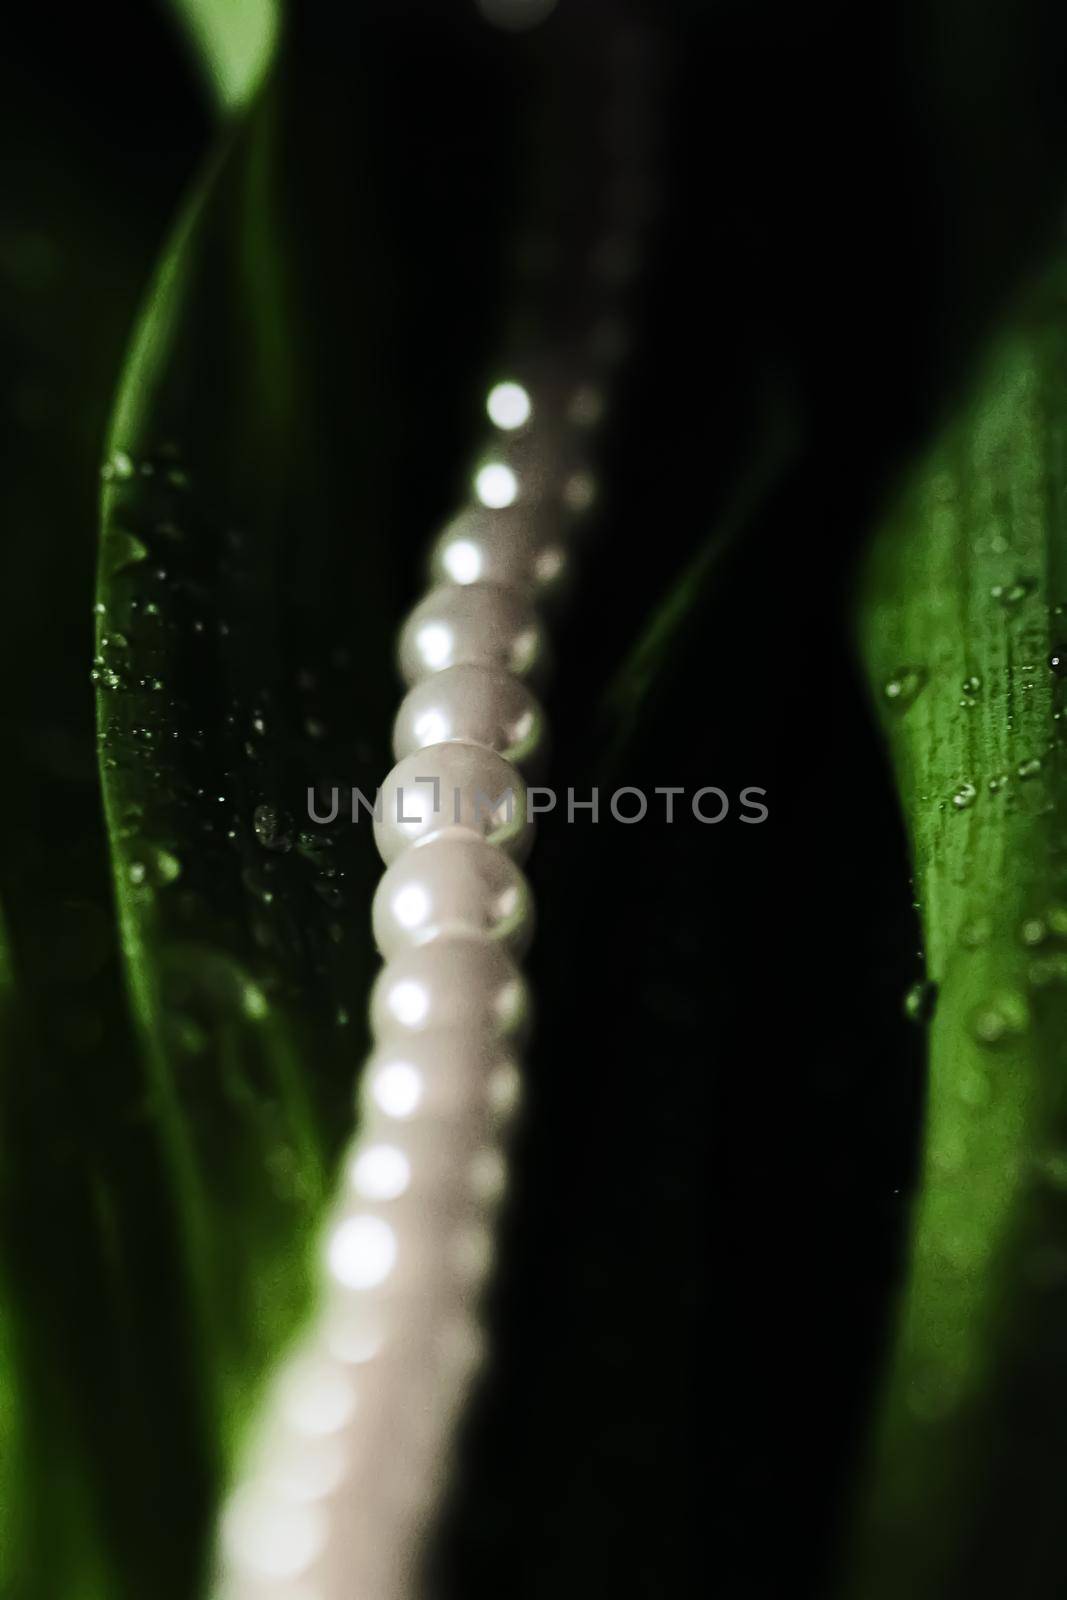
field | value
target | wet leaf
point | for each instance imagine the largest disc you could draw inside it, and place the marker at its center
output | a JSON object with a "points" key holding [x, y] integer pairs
{"points": [[965, 601]]}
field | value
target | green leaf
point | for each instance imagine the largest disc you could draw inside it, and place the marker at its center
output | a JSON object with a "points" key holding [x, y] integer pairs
{"points": [[261, 524], [962, 612], [85, 1235], [234, 41], [233, 909]]}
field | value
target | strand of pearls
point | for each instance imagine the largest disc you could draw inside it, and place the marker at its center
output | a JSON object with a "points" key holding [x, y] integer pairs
{"points": [[349, 1464]]}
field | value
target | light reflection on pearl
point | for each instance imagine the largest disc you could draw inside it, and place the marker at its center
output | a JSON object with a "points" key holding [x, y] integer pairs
{"points": [[477, 705], [586, 406], [472, 624], [518, 548], [579, 491], [459, 983], [548, 565], [306, 1468], [381, 1172], [267, 1538], [355, 1332], [452, 883], [409, 1003], [397, 1089], [453, 786], [316, 1397], [509, 405], [505, 1090], [472, 1252], [410, 906], [361, 1252], [496, 485], [488, 1175], [434, 642], [446, 1073], [462, 561], [430, 727]]}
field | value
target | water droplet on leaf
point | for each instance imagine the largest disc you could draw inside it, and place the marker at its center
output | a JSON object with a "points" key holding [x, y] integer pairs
{"points": [[272, 828], [920, 1000], [903, 687], [117, 468], [1004, 1017]]}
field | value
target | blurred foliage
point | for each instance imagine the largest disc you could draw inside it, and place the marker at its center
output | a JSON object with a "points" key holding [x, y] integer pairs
{"points": [[234, 41], [964, 628]]}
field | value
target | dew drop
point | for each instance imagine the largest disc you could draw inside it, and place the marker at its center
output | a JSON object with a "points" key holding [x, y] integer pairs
{"points": [[1030, 768], [271, 828], [255, 884], [920, 1000], [976, 932], [1004, 1017], [1011, 594], [117, 468], [964, 796], [254, 1001], [1047, 970], [904, 686], [123, 550], [151, 866]]}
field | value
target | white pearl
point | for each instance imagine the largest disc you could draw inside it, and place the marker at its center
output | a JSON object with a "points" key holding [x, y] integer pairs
{"points": [[267, 1539], [452, 786], [478, 705], [451, 983], [515, 547], [545, 463], [452, 883], [474, 624], [396, 1159], [558, 400], [437, 1076], [423, 1182]]}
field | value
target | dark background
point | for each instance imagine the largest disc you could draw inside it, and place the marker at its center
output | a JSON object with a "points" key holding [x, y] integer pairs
{"points": [[725, 1096]]}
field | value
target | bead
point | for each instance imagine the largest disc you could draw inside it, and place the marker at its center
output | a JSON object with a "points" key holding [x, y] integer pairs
{"points": [[394, 1160], [437, 1077], [556, 399], [545, 465], [478, 705], [475, 624], [267, 1539], [448, 786], [427, 1178], [453, 883], [451, 983], [514, 547]]}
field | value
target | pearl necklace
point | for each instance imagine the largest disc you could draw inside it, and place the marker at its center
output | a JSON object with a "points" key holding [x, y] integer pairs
{"points": [[349, 1461]]}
